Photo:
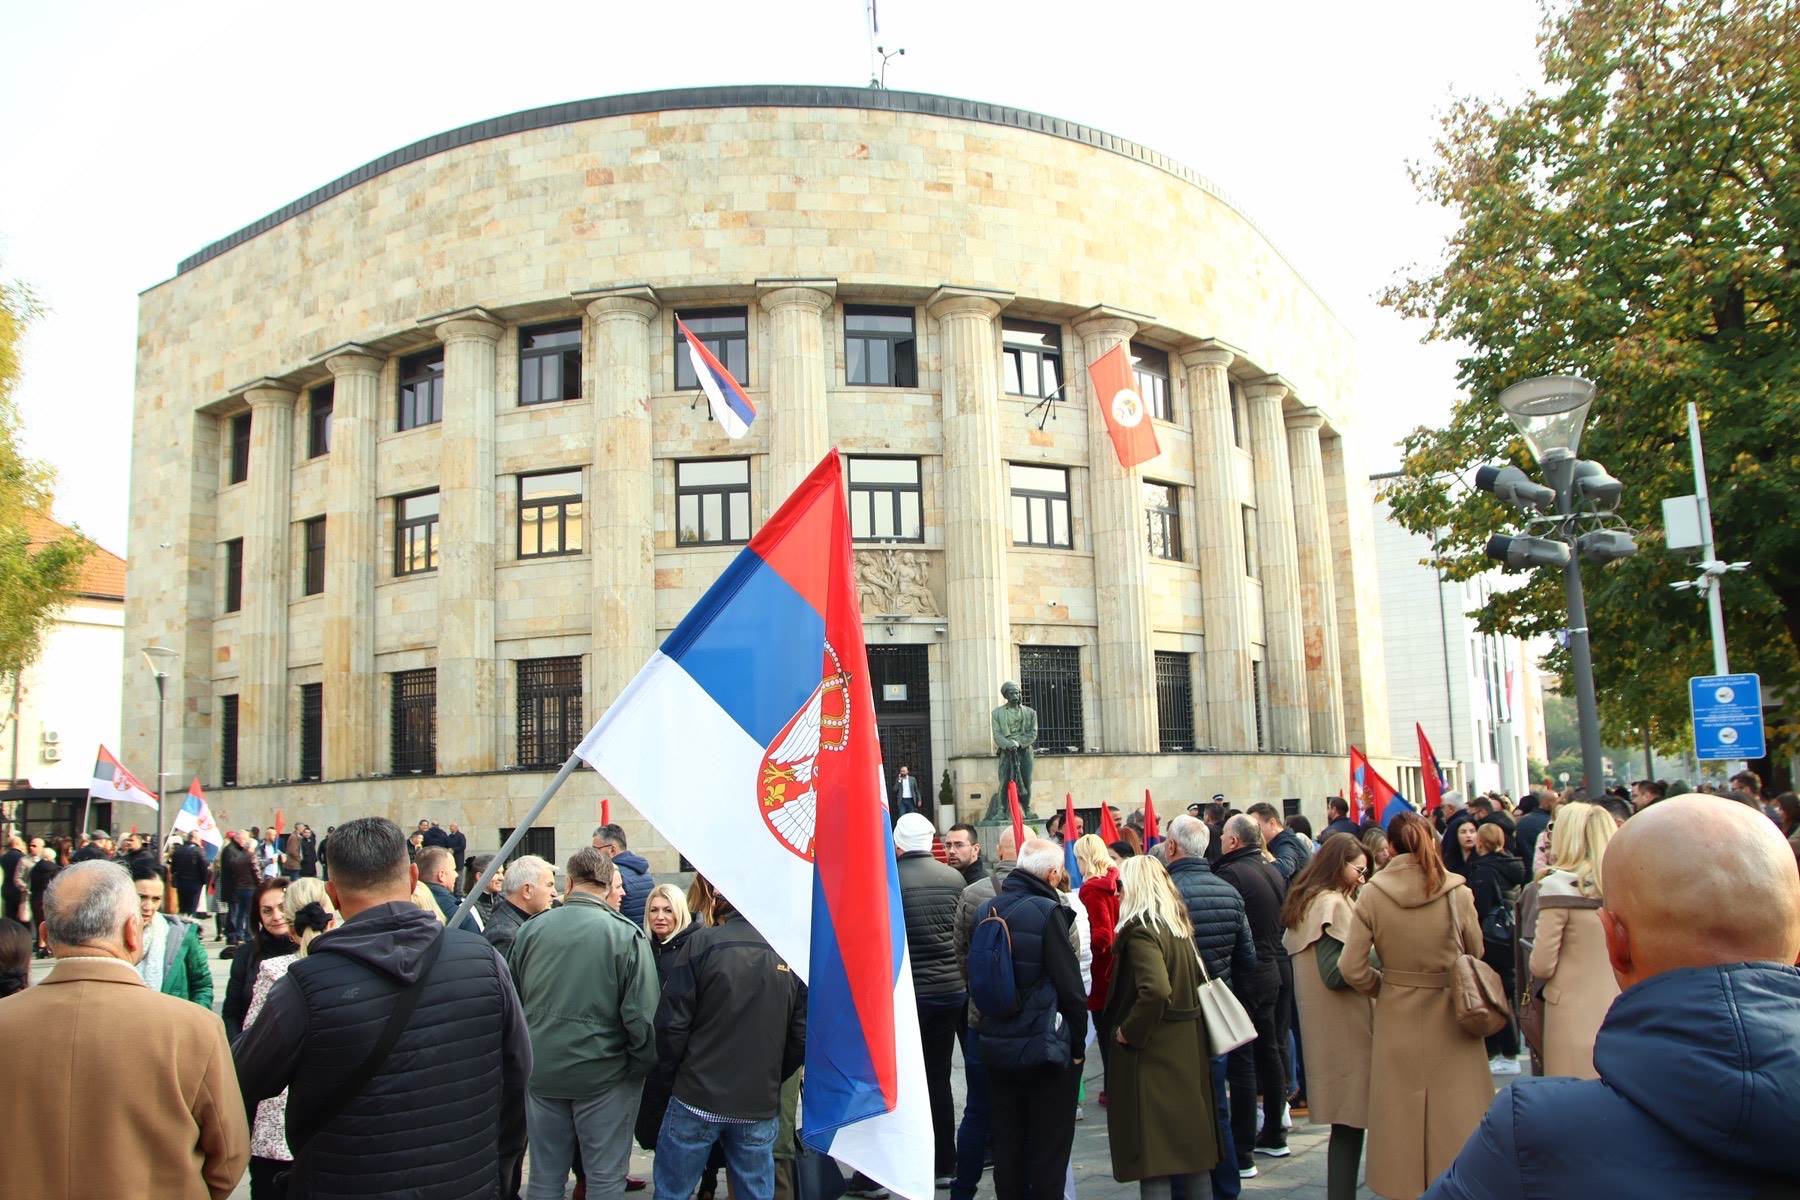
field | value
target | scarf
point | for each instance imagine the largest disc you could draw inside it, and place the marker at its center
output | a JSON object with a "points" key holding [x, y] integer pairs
{"points": [[156, 944]]}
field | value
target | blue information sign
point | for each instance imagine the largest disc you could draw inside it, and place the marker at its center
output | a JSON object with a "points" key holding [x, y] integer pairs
{"points": [[1727, 716]]}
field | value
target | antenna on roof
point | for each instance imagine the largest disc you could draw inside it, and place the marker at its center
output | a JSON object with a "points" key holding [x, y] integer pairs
{"points": [[878, 54]]}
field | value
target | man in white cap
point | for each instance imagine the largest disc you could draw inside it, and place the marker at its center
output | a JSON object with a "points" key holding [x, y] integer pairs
{"points": [[929, 891]]}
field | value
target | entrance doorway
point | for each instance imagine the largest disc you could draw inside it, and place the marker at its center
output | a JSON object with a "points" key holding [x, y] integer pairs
{"points": [[901, 681]]}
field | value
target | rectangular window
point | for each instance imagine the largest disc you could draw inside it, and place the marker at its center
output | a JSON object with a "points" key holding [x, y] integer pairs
{"points": [[539, 840], [1150, 367], [315, 556], [414, 751], [712, 502], [725, 332], [880, 347], [1040, 506], [416, 533], [318, 419], [1251, 558], [1174, 701], [312, 731], [550, 363], [1162, 519], [1050, 678], [228, 741], [549, 710], [240, 448], [1256, 701], [234, 575], [884, 500], [422, 388], [550, 514], [1033, 358]]}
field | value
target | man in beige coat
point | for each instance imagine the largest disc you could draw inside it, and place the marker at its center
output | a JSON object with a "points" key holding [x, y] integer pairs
{"points": [[156, 1114]]}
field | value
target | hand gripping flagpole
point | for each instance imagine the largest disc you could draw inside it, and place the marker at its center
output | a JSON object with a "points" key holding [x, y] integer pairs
{"points": [[512, 843]]}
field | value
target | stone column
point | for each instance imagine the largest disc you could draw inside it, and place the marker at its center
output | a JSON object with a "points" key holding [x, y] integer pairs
{"points": [[1219, 540], [1318, 599], [622, 498], [976, 527], [1285, 661], [263, 627], [1127, 674], [799, 433], [467, 703], [349, 699]]}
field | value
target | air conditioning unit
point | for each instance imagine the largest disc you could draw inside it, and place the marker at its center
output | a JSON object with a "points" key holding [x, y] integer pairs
{"points": [[52, 738]]}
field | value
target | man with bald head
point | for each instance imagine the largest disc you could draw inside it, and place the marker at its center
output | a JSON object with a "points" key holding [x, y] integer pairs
{"points": [[165, 1117], [1699, 1060]]}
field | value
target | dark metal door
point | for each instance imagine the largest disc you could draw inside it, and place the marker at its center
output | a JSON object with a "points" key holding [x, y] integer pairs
{"points": [[901, 682]]}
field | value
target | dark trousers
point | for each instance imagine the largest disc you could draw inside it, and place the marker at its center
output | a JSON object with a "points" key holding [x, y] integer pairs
{"points": [[1284, 1030], [242, 901], [937, 1036], [1227, 1184], [268, 1178], [188, 896], [1257, 1067], [1506, 1042], [972, 1135], [1034, 1125]]}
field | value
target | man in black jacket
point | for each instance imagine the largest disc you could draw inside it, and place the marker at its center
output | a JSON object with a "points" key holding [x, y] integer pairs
{"points": [[1337, 818], [460, 1063], [530, 888], [730, 1028], [1268, 993], [1222, 935], [1486, 812], [187, 868], [929, 892], [1289, 853]]}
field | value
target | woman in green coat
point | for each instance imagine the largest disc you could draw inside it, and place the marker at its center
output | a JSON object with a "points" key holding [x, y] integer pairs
{"points": [[1160, 1116], [174, 961]]}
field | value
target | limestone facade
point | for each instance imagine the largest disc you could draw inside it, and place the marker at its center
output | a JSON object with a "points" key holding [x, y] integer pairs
{"points": [[795, 213]]}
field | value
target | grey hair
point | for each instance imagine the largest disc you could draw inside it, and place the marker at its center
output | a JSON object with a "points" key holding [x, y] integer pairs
{"points": [[103, 900], [1245, 829], [1039, 856], [1453, 799], [528, 868], [1191, 835]]}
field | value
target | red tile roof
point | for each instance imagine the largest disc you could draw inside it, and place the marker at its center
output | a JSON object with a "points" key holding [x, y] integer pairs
{"points": [[102, 573]]}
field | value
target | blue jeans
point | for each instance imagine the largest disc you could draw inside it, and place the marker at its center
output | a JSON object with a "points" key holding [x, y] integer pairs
{"points": [[1226, 1183], [972, 1134], [686, 1140], [242, 901]]}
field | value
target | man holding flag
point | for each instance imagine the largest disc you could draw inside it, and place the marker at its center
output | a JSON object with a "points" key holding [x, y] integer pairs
{"points": [[187, 866]]}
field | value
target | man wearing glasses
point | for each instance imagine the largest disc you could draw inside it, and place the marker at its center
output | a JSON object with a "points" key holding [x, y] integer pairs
{"points": [[962, 849]]}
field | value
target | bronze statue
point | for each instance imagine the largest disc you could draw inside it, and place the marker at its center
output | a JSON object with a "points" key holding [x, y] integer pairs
{"points": [[1015, 732]]}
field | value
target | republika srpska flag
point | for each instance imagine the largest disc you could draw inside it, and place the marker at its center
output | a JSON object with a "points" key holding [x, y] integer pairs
{"points": [[749, 741], [1127, 416], [1431, 776], [197, 817], [112, 781], [731, 407], [1372, 794]]}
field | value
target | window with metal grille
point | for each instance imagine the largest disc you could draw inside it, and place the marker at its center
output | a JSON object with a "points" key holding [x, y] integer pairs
{"points": [[315, 556], [416, 533], [549, 710], [1256, 702], [1040, 505], [880, 347], [312, 731], [712, 502], [1162, 520], [725, 332], [1174, 701], [228, 741], [884, 500], [1032, 358], [240, 448], [234, 575], [550, 514], [1050, 678], [1252, 565], [539, 840], [1150, 368], [422, 389], [319, 403], [414, 750], [550, 363]]}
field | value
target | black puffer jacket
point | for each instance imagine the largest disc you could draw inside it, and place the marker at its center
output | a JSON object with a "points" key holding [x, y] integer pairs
{"points": [[1217, 912], [929, 891], [1263, 890]]}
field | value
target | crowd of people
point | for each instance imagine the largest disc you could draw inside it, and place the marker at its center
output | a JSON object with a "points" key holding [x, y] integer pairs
{"points": [[1234, 976]]}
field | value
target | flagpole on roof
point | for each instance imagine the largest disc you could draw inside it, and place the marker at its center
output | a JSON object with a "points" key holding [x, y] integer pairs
{"points": [[511, 843]]}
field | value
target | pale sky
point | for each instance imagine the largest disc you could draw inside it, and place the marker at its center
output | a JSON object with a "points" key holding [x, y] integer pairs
{"points": [[131, 135]]}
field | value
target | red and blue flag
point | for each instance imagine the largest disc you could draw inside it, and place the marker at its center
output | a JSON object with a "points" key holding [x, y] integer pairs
{"points": [[1371, 796], [731, 407], [1431, 776]]}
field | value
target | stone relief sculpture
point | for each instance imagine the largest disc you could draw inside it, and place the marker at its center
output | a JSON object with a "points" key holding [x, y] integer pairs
{"points": [[895, 583]]}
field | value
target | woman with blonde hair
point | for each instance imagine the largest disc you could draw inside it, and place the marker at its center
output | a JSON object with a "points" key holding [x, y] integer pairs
{"points": [[1160, 1121], [1375, 845], [1569, 967], [666, 920]]}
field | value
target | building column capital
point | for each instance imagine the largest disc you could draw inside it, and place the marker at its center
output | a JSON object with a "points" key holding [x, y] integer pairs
{"points": [[949, 303], [1102, 321], [1209, 353], [1269, 387], [630, 303], [351, 358], [466, 324], [270, 393], [815, 295], [1305, 419]]}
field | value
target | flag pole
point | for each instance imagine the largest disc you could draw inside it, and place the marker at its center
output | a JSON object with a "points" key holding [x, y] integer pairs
{"points": [[511, 843]]}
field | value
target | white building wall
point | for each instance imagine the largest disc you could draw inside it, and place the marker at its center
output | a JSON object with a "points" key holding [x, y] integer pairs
{"points": [[69, 700]]}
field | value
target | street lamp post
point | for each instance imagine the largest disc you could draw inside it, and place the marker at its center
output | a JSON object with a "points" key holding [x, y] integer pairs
{"points": [[161, 661]]}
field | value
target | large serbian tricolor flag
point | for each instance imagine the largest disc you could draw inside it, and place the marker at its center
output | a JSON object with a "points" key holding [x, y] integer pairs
{"points": [[111, 781], [730, 405], [1373, 798], [196, 817], [749, 741]]}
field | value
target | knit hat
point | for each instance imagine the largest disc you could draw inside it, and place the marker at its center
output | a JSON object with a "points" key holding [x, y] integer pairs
{"points": [[913, 832]]}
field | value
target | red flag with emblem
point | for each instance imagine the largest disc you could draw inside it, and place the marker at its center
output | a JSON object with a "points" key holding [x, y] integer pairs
{"points": [[1127, 415]]}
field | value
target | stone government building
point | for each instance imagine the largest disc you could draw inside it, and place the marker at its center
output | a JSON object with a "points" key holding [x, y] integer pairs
{"points": [[422, 474]]}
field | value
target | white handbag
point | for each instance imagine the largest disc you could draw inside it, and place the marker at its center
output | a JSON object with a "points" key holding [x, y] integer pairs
{"points": [[1228, 1026]]}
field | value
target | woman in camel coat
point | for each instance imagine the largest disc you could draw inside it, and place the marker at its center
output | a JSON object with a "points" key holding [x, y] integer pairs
{"points": [[1435, 1085], [1568, 961]]}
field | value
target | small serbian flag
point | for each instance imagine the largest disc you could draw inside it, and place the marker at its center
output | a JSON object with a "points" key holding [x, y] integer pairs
{"points": [[196, 817], [1431, 775], [1372, 794], [730, 405], [112, 781], [1071, 833], [1127, 416]]}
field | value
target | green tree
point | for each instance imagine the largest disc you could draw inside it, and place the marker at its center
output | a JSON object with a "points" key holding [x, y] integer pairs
{"points": [[1635, 221], [35, 581]]}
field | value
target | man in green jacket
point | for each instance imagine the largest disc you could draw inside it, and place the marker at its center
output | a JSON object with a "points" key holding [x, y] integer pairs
{"points": [[587, 981], [174, 961]]}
